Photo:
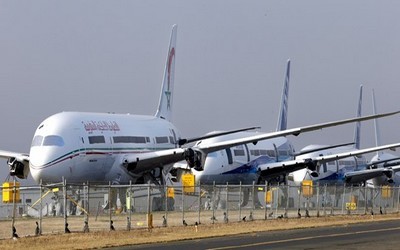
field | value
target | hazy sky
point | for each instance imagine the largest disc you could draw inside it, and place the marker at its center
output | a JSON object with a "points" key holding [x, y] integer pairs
{"points": [[108, 56]]}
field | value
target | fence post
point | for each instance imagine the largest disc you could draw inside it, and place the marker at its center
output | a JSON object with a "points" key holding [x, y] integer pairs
{"points": [[166, 204], [318, 200], [336, 200], [149, 215], [299, 194], [253, 194], [65, 203], [87, 201], [398, 198], [372, 199], [358, 199], [227, 203], [350, 199], [130, 204], [183, 203], [265, 200], [213, 204], [287, 200], [277, 200], [240, 201], [343, 199], [366, 199], [13, 212], [109, 204], [199, 201], [325, 198], [41, 208]]}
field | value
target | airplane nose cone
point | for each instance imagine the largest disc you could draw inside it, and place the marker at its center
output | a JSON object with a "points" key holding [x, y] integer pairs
{"points": [[43, 166]]}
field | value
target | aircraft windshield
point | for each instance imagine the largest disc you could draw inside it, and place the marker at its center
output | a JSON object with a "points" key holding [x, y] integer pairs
{"points": [[53, 140], [37, 141]]}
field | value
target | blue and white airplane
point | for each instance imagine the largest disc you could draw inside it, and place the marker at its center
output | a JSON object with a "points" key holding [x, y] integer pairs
{"points": [[332, 169], [383, 164], [268, 160]]}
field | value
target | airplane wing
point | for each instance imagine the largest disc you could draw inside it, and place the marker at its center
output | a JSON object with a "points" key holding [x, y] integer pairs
{"points": [[18, 163], [15, 155], [295, 131], [137, 164], [303, 152], [279, 168], [386, 162], [388, 169], [195, 156], [364, 175]]}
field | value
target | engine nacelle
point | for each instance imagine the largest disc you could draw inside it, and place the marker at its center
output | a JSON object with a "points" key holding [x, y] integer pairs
{"points": [[194, 159], [388, 173], [18, 168], [311, 164], [314, 174]]}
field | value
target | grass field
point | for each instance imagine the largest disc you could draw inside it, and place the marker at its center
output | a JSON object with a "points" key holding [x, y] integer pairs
{"points": [[140, 235]]}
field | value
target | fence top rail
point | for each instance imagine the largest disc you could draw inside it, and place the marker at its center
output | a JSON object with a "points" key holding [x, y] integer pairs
{"points": [[143, 186]]}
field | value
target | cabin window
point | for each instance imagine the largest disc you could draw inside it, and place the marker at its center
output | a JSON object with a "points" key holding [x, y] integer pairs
{"points": [[97, 139], [331, 163], [37, 141], [238, 152], [255, 152], [271, 153], [129, 139], [171, 140], [162, 139], [283, 153], [53, 140]]}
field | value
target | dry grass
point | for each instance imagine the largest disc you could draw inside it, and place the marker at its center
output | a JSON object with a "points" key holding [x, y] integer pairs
{"points": [[101, 239]]}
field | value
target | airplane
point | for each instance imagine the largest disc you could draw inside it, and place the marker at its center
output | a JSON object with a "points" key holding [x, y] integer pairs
{"points": [[383, 164], [82, 147], [332, 169], [255, 163]]}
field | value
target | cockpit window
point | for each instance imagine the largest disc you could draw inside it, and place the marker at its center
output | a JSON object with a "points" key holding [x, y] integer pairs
{"points": [[53, 140], [37, 141]]}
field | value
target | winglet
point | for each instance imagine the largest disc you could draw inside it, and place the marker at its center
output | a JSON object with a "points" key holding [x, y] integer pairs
{"points": [[357, 130], [167, 89], [282, 119]]}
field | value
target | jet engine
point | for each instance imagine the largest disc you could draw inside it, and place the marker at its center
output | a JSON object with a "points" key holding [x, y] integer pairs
{"points": [[18, 168], [312, 166], [194, 159], [389, 174]]}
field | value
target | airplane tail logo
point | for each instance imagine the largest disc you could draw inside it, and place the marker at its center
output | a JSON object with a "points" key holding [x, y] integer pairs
{"points": [[166, 97], [283, 113]]}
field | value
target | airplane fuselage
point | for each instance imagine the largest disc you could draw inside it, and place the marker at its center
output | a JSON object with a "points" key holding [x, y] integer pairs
{"points": [[91, 147]]}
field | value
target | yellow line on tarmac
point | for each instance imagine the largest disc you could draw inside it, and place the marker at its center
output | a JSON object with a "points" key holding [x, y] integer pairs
{"points": [[303, 238]]}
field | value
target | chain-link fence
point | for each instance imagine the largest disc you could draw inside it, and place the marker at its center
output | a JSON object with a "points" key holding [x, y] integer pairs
{"points": [[78, 208]]}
